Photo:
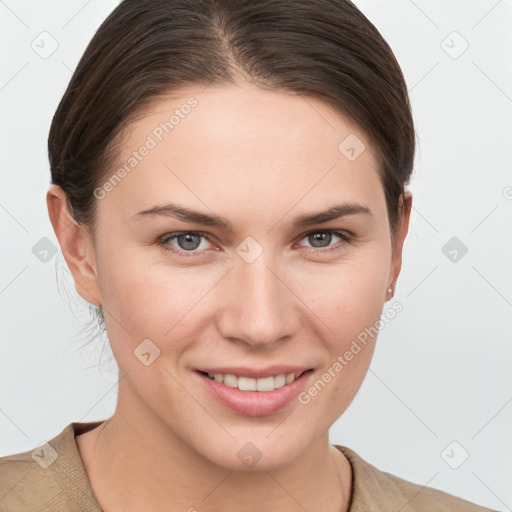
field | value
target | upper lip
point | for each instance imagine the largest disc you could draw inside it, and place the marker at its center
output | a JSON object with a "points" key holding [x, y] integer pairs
{"points": [[256, 373]]}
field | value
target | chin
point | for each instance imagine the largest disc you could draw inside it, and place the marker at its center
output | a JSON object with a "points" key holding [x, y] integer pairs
{"points": [[263, 451]]}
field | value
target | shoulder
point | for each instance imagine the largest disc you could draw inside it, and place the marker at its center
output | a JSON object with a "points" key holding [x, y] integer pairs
{"points": [[27, 475], [373, 489], [49, 477]]}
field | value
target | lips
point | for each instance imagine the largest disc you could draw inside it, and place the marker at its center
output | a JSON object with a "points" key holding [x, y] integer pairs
{"points": [[255, 403]]}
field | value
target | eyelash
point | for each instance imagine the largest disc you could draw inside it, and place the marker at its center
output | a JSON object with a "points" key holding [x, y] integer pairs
{"points": [[163, 242]]}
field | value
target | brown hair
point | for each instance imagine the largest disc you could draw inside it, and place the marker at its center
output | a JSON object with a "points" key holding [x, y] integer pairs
{"points": [[146, 48]]}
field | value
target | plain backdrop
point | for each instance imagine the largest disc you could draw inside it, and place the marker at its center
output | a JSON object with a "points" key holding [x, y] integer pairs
{"points": [[436, 406]]}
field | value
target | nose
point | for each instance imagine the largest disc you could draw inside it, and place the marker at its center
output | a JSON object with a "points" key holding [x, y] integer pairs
{"points": [[256, 306]]}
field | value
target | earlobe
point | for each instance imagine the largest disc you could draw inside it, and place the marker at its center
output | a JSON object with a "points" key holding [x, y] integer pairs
{"points": [[76, 245]]}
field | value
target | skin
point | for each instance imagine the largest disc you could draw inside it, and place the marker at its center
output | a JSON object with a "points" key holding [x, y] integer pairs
{"points": [[259, 159]]}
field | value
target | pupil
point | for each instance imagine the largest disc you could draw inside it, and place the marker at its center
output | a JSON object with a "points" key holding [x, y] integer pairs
{"points": [[320, 237], [188, 241]]}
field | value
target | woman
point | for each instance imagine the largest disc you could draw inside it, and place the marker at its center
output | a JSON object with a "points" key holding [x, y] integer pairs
{"points": [[228, 188]]}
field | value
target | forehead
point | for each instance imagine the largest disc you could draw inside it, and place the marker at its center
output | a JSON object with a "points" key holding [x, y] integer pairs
{"points": [[247, 146], [228, 114]]}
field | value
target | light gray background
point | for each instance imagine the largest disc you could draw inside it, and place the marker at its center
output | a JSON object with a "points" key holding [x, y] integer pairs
{"points": [[442, 368]]}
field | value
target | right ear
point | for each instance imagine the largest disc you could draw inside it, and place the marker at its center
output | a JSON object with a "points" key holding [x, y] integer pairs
{"points": [[76, 245]]}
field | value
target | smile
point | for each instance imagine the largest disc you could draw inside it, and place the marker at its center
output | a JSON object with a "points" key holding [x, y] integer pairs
{"points": [[250, 396], [250, 384]]}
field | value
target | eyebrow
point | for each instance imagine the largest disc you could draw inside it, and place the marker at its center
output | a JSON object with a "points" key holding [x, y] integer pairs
{"points": [[188, 215]]}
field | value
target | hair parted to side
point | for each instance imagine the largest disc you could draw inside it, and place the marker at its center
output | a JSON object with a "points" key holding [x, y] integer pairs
{"points": [[145, 49]]}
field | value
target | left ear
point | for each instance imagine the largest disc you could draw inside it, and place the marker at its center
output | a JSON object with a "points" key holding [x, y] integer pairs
{"points": [[396, 256]]}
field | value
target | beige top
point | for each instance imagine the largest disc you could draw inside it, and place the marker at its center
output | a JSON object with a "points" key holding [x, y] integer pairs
{"points": [[52, 478]]}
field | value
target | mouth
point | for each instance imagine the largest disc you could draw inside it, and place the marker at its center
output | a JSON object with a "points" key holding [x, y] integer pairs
{"points": [[263, 384], [249, 396]]}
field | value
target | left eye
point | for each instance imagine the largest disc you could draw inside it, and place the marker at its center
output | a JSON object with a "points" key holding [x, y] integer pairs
{"points": [[325, 237], [189, 241]]}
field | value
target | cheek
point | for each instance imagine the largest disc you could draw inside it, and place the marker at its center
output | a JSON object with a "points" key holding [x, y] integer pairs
{"points": [[156, 301], [349, 301], [347, 297]]}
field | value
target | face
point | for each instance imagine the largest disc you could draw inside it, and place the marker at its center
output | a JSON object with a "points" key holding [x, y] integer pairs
{"points": [[233, 278]]}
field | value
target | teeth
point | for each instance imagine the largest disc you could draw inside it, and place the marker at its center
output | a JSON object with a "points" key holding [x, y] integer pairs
{"points": [[266, 384], [280, 380], [230, 380], [248, 384]]}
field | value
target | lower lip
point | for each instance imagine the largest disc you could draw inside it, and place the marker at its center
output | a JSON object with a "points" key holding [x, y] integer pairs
{"points": [[256, 403]]}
